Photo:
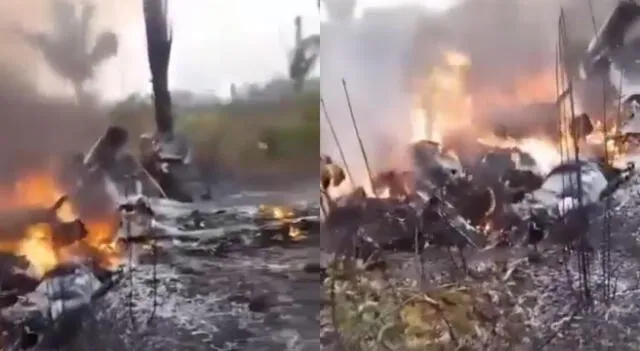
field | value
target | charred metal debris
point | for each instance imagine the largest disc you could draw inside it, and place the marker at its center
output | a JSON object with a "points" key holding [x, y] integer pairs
{"points": [[498, 198], [48, 310]]}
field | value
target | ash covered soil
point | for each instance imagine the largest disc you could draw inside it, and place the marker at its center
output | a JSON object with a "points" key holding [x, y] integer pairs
{"points": [[217, 291], [547, 292]]}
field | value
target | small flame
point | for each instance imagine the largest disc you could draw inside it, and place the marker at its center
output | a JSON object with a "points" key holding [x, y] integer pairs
{"points": [[276, 212], [384, 193], [295, 234], [38, 248], [601, 136], [284, 215], [487, 227]]}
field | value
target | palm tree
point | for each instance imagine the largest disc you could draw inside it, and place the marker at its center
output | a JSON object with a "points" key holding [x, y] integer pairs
{"points": [[67, 49], [304, 56]]}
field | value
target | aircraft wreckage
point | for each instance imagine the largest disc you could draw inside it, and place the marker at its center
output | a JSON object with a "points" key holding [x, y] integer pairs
{"points": [[466, 190], [59, 256], [63, 234], [165, 167]]}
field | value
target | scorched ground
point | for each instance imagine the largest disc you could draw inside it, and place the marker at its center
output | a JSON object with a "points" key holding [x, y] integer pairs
{"points": [[487, 163]]}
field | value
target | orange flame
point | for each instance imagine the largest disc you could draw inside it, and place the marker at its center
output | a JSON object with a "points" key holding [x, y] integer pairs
{"points": [[40, 190], [445, 106], [526, 89]]}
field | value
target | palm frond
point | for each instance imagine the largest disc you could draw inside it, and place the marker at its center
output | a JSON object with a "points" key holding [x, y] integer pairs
{"points": [[106, 47]]}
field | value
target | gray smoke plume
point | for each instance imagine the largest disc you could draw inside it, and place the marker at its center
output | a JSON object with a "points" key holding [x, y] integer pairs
{"points": [[72, 48], [380, 53], [371, 55], [340, 10], [36, 128], [34, 16]]}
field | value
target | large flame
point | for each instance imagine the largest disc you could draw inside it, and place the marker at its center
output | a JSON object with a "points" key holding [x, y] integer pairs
{"points": [[40, 190], [530, 88], [543, 151], [444, 106]]}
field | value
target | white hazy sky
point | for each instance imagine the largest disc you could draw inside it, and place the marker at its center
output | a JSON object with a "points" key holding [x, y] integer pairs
{"points": [[216, 42], [434, 5]]}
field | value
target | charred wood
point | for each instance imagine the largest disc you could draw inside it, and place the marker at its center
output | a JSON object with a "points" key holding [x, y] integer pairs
{"points": [[525, 180], [473, 202], [572, 227], [397, 183], [159, 42], [525, 121], [103, 153], [17, 282], [68, 233], [494, 164], [142, 207], [536, 230], [581, 126], [14, 223], [452, 217], [360, 230]]}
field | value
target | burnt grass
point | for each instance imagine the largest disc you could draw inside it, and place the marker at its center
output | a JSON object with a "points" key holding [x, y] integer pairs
{"points": [[236, 283], [497, 299], [243, 292]]}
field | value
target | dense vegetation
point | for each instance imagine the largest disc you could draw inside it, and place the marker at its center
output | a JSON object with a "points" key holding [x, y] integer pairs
{"points": [[227, 136]]}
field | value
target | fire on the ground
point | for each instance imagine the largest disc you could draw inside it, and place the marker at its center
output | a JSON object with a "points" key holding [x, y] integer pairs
{"points": [[466, 124], [38, 240]]}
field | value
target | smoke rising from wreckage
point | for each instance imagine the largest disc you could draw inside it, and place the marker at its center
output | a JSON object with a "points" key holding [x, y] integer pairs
{"points": [[67, 262], [67, 229], [496, 170]]}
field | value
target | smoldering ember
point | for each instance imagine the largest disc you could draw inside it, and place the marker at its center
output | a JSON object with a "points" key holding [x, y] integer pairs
{"points": [[513, 230]]}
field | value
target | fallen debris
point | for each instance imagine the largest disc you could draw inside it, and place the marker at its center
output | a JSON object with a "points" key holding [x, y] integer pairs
{"points": [[480, 204], [47, 254], [50, 316], [14, 223]]}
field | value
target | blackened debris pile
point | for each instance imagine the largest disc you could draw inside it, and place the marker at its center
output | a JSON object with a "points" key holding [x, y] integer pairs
{"points": [[45, 309], [449, 201]]}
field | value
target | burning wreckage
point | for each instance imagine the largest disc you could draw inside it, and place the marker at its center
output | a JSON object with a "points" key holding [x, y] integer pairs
{"points": [[64, 232], [60, 253], [531, 175], [53, 264], [451, 203]]}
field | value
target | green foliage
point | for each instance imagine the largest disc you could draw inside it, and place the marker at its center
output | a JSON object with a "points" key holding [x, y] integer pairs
{"points": [[135, 114], [229, 135], [301, 137], [375, 312]]}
